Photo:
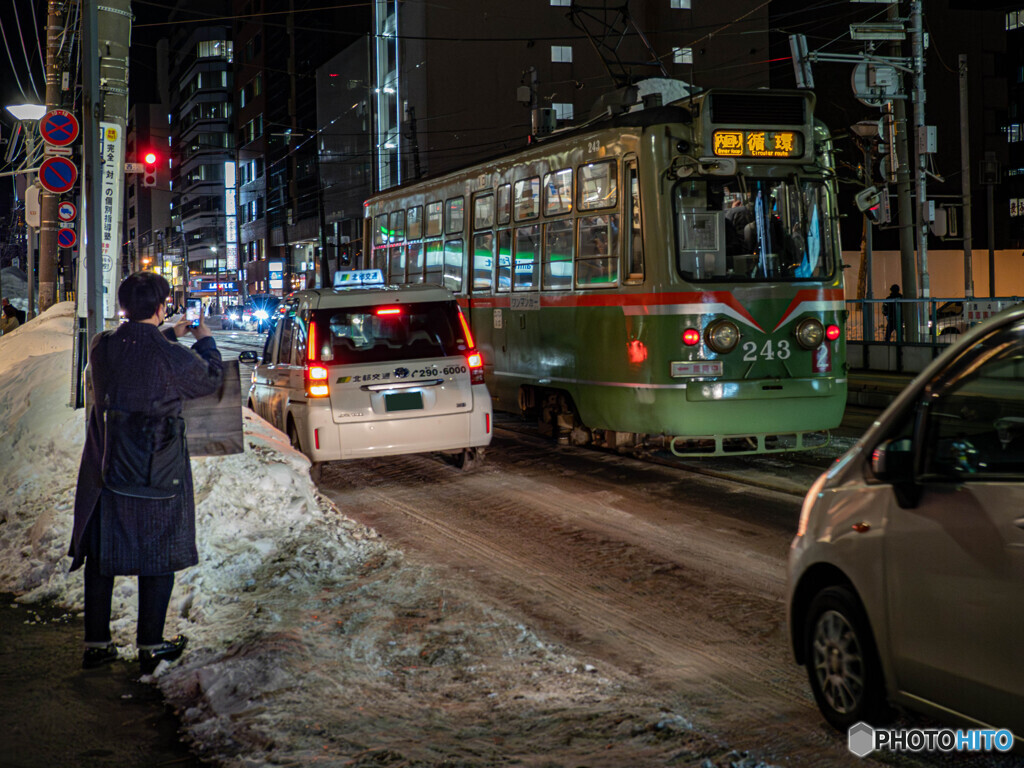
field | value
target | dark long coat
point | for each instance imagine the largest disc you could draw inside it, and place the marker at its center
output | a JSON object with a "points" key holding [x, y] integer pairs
{"points": [[141, 369]]}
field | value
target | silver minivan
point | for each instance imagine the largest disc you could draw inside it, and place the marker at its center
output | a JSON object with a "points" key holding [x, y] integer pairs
{"points": [[367, 369], [906, 576]]}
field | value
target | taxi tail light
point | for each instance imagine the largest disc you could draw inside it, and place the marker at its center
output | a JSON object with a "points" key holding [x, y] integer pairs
{"points": [[475, 361], [316, 381]]}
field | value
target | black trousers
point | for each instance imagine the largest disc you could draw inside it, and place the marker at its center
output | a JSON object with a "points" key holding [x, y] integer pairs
{"points": [[154, 597]]}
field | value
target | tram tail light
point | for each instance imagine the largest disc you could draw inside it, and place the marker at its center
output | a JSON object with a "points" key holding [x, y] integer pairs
{"points": [[316, 381], [475, 361], [691, 337], [832, 332]]}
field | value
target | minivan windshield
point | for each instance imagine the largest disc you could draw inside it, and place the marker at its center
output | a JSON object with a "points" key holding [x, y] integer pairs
{"points": [[387, 332], [747, 229]]}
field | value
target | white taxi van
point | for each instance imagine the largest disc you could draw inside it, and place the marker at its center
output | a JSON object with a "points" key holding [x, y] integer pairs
{"points": [[368, 369]]}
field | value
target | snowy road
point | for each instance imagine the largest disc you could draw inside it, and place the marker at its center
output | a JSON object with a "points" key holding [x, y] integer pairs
{"points": [[675, 578]]}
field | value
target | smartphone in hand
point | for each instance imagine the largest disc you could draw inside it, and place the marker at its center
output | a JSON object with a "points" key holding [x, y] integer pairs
{"points": [[193, 311]]}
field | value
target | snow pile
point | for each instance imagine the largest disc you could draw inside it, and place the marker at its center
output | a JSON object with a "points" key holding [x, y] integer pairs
{"points": [[311, 640]]}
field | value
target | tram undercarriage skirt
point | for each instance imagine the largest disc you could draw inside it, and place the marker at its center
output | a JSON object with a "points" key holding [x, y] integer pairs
{"points": [[734, 445]]}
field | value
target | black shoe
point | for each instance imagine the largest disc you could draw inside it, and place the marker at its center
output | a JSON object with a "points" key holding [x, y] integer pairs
{"points": [[169, 650], [97, 657]]}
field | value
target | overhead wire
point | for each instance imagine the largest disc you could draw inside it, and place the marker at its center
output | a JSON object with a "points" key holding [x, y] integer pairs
{"points": [[10, 58], [28, 62], [39, 44]]}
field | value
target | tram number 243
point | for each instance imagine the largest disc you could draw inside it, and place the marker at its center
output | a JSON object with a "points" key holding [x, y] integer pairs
{"points": [[780, 350]]}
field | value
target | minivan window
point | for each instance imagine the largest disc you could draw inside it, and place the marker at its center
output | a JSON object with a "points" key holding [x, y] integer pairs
{"points": [[419, 330]]}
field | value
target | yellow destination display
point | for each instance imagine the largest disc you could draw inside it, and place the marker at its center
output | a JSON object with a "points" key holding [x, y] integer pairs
{"points": [[757, 144]]}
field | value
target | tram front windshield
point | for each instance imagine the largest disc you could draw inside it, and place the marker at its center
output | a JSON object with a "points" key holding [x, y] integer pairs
{"points": [[753, 229]]}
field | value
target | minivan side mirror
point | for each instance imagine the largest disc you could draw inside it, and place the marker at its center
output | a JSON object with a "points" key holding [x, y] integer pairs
{"points": [[893, 463], [248, 356]]}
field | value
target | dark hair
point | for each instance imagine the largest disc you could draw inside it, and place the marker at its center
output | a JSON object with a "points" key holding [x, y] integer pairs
{"points": [[141, 294], [9, 310], [894, 288]]}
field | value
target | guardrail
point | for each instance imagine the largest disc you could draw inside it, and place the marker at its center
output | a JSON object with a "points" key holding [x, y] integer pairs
{"points": [[904, 335]]}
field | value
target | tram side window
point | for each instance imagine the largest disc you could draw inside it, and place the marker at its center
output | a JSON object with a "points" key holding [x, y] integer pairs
{"points": [[527, 198], [558, 192], [434, 219], [453, 265], [414, 262], [527, 255], [558, 251], [414, 222], [483, 211], [397, 226], [483, 261], [435, 262], [504, 204], [380, 229], [597, 255], [597, 186], [455, 216], [504, 282], [635, 242], [396, 264]]}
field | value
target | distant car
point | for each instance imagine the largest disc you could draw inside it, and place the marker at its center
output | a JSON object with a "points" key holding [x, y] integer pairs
{"points": [[231, 317], [258, 312], [906, 576], [374, 370]]}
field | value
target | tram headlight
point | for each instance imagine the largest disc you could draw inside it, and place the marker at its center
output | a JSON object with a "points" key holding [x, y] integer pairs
{"points": [[722, 336], [809, 333]]}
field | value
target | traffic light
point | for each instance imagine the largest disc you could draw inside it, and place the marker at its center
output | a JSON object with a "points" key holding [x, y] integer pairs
{"points": [[149, 169]]}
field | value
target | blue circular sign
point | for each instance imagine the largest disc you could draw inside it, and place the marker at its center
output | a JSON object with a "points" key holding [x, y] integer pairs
{"points": [[59, 127], [66, 238], [58, 174]]}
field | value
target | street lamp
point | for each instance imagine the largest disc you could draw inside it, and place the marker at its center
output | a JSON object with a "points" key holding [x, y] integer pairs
{"points": [[27, 112], [28, 115]]}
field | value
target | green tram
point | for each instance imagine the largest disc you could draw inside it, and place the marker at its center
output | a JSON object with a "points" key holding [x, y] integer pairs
{"points": [[669, 274]]}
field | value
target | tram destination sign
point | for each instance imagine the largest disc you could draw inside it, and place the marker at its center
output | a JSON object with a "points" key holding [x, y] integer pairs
{"points": [[757, 143]]}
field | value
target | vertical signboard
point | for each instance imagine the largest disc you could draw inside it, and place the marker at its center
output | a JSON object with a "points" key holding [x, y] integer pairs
{"points": [[230, 216], [111, 197]]}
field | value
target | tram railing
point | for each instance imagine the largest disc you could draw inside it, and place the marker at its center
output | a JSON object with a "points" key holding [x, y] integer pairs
{"points": [[904, 335]]}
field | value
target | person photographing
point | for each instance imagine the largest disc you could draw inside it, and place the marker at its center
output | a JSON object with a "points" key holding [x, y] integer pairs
{"points": [[134, 503]]}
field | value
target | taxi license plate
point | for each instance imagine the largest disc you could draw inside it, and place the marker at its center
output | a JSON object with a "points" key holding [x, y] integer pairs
{"points": [[404, 401]]}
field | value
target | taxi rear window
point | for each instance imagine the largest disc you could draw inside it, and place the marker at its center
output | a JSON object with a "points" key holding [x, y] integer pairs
{"points": [[386, 332]]}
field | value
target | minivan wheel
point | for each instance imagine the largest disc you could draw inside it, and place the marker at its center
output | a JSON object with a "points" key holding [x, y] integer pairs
{"points": [[842, 662], [468, 458]]}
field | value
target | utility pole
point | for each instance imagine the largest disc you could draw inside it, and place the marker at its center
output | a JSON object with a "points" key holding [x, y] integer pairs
{"points": [[48, 201], [922, 144], [965, 180]]}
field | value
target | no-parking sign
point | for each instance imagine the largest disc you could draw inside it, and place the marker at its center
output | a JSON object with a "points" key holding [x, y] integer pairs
{"points": [[59, 127], [66, 238], [58, 174]]}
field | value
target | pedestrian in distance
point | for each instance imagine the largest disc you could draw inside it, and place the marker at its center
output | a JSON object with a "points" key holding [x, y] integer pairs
{"points": [[8, 318], [134, 503], [891, 310]]}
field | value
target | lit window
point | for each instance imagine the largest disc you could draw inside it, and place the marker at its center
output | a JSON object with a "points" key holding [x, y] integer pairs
{"points": [[563, 110], [561, 54], [561, 2], [682, 55], [681, 5]]}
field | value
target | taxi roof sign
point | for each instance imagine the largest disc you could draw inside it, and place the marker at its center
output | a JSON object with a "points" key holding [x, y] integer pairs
{"points": [[357, 277]]}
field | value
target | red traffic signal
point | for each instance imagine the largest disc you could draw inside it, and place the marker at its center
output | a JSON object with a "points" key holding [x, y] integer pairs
{"points": [[149, 169]]}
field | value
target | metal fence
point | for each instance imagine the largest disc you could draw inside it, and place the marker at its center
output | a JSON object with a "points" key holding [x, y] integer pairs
{"points": [[903, 335]]}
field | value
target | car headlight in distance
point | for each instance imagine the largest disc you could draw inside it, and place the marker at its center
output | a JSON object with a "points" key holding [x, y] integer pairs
{"points": [[722, 336], [809, 333], [260, 314]]}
